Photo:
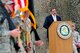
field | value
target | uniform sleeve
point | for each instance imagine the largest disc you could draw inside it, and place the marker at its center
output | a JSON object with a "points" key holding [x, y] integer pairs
{"points": [[5, 28], [4, 33]]}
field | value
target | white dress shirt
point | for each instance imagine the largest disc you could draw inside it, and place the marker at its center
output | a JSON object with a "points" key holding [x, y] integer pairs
{"points": [[54, 18]]}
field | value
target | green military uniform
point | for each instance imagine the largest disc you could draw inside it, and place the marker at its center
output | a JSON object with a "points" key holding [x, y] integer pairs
{"points": [[4, 36], [25, 28], [5, 46]]}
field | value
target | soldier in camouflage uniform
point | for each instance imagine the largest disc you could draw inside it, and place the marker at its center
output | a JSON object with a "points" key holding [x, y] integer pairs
{"points": [[5, 32], [25, 25]]}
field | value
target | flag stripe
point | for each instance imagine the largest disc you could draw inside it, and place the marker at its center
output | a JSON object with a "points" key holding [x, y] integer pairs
{"points": [[25, 2], [22, 3], [19, 2]]}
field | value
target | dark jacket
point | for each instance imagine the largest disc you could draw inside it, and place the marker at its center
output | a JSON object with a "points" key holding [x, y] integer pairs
{"points": [[48, 21]]}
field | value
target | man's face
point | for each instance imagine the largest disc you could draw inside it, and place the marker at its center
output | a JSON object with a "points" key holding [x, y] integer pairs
{"points": [[53, 11], [9, 7], [25, 15]]}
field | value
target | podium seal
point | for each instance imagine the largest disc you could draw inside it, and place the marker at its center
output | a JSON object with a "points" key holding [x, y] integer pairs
{"points": [[64, 30]]}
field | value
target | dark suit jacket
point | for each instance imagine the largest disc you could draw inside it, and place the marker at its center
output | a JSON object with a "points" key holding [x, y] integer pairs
{"points": [[48, 21]]}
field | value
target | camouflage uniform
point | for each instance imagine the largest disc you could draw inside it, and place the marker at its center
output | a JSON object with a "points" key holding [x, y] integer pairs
{"points": [[4, 35], [25, 27], [5, 46], [75, 36]]}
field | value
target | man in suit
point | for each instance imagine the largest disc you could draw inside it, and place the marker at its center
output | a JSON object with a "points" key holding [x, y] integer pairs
{"points": [[53, 17]]}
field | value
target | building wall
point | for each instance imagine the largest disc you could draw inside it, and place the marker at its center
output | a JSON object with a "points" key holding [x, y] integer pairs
{"points": [[41, 11]]}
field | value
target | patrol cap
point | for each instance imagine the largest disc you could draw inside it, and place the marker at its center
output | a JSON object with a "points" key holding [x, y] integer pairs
{"points": [[7, 2]]}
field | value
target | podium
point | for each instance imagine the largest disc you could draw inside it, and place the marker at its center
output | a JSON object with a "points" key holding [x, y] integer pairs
{"points": [[58, 43]]}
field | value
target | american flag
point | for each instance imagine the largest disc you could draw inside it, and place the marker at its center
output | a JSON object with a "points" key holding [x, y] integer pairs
{"points": [[23, 7], [22, 3]]}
